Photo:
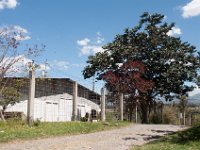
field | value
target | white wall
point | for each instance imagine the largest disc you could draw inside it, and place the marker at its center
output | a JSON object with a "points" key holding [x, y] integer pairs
{"points": [[54, 108]]}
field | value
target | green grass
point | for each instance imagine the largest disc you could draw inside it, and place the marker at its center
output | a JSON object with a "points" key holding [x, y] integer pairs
{"points": [[14, 130], [185, 140]]}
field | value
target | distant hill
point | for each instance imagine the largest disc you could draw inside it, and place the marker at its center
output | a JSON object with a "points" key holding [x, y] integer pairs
{"points": [[194, 96]]}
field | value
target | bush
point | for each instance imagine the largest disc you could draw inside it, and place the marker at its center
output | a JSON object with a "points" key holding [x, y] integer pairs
{"points": [[84, 119], [36, 122], [169, 115], [191, 134], [155, 118], [196, 119]]}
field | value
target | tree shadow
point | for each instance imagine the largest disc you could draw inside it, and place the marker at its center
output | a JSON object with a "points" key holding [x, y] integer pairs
{"points": [[164, 131], [150, 137], [146, 137], [129, 138], [181, 137], [191, 134]]}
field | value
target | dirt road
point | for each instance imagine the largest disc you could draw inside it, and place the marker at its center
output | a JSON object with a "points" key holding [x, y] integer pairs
{"points": [[119, 139]]}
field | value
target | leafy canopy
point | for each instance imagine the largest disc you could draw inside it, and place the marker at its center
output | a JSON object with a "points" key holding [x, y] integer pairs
{"points": [[168, 61]]}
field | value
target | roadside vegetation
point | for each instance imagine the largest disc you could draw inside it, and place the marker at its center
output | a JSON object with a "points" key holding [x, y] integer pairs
{"points": [[184, 140], [15, 129]]}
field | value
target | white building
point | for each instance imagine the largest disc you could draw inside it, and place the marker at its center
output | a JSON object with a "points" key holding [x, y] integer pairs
{"points": [[53, 99], [55, 107]]}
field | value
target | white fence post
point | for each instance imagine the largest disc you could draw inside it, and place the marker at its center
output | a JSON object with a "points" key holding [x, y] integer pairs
{"points": [[30, 107], [75, 94], [103, 118], [121, 106]]}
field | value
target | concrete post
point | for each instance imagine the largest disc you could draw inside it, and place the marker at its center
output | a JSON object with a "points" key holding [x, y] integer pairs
{"points": [[30, 107], [184, 118], [121, 106], [103, 118], [190, 119], [75, 95], [136, 112]]}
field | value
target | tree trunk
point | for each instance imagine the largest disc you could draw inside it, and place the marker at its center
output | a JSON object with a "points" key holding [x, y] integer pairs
{"points": [[131, 115], [144, 113], [144, 117]]}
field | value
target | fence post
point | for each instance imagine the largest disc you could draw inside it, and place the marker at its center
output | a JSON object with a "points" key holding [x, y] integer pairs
{"points": [[103, 118], [30, 107], [136, 111], [75, 95], [190, 119], [121, 106], [184, 118]]}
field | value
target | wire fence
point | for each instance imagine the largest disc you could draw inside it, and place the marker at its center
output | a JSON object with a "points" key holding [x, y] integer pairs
{"points": [[54, 102]]}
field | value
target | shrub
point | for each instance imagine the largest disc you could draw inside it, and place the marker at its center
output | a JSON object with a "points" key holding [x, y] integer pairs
{"points": [[84, 119], [169, 115], [36, 122], [155, 118]]}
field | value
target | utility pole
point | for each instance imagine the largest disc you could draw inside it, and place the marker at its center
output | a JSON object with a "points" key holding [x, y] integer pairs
{"points": [[190, 118], [30, 107], [184, 117], [121, 106], [75, 95], [162, 105], [93, 84], [103, 99], [44, 72], [136, 112]]}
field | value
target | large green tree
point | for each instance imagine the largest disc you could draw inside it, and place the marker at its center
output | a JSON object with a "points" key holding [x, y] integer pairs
{"points": [[168, 61]]}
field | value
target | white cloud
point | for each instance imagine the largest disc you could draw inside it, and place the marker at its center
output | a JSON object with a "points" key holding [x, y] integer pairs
{"points": [[22, 38], [44, 67], [174, 31], [10, 4], [19, 29], [191, 9], [60, 65], [99, 39], [99, 34], [89, 47], [78, 65], [17, 32], [83, 42], [19, 66]]}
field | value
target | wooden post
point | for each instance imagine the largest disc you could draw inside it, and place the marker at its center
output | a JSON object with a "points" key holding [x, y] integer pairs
{"points": [[103, 118], [121, 106], [75, 95], [30, 107]]}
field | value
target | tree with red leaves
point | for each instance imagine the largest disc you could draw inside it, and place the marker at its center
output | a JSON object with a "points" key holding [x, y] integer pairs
{"points": [[128, 78], [154, 65]]}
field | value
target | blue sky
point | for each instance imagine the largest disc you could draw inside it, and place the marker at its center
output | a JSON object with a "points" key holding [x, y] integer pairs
{"points": [[74, 29]]}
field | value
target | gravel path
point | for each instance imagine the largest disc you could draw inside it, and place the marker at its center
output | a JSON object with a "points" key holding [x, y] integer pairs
{"points": [[118, 139]]}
